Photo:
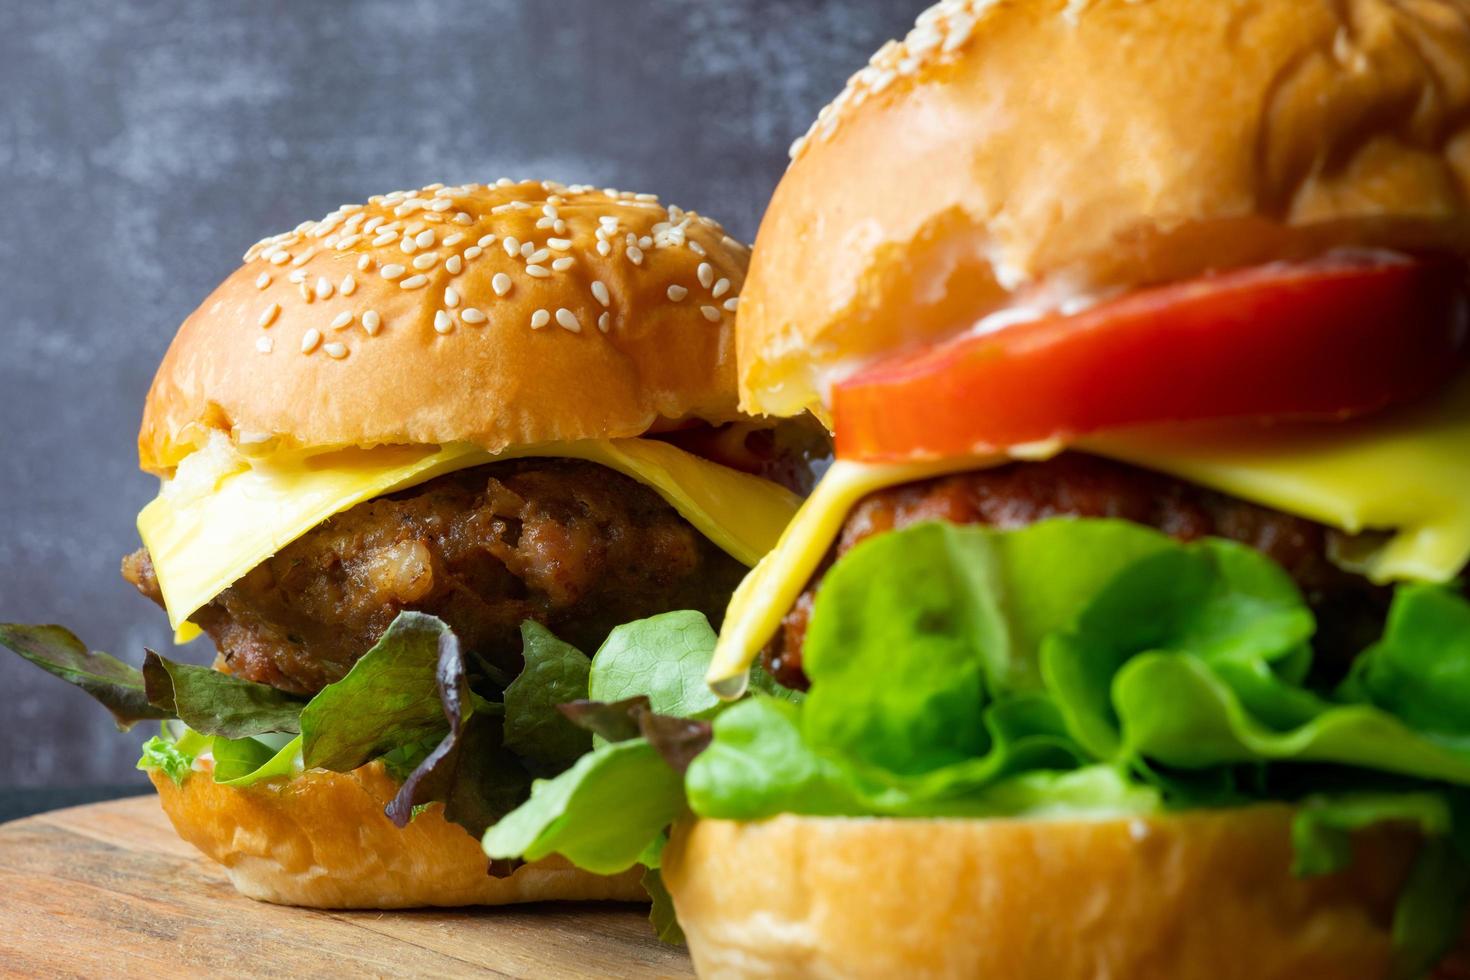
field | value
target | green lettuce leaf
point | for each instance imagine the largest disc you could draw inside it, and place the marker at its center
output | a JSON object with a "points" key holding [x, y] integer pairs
{"points": [[246, 761], [554, 673], [601, 814], [163, 754], [661, 913], [664, 657], [1420, 672], [117, 686], [1321, 832], [388, 699], [213, 703]]}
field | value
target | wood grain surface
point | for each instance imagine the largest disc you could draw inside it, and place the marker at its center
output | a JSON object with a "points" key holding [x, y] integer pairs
{"points": [[108, 891]]}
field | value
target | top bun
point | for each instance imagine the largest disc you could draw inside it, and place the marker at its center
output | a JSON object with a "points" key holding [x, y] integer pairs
{"points": [[1039, 152], [421, 318]]}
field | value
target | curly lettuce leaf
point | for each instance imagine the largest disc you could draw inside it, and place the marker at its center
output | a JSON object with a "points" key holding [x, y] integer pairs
{"points": [[117, 686], [163, 754], [554, 673], [1420, 671]]}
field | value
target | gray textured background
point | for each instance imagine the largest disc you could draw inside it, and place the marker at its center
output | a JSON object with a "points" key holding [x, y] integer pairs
{"points": [[144, 145]]}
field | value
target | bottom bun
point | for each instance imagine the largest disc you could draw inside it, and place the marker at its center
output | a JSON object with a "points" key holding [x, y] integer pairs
{"points": [[1207, 894], [321, 840]]}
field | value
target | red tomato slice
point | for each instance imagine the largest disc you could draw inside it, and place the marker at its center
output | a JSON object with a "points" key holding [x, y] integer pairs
{"points": [[1326, 339]]}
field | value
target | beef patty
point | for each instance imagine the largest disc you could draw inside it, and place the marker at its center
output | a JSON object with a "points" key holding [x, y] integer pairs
{"points": [[572, 545], [1350, 611]]}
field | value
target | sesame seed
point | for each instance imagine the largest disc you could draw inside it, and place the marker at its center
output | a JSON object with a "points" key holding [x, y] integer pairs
{"points": [[540, 319], [544, 223], [560, 244], [424, 239], [310, 339], [371, 322], [549, 211], [486, 241], [343, 319], [324, 288], [336, 351], [564, 263], [604, 322], [408, 245], [343, 244], [451, 297], [706, 273], [677, 293], [645, 242], [696, 248], [304, 256], [538, 256], [461, 218], [392, 271], [501, 284], [539, 271], [349, 285], [305, 291], [710, 313], [452, 240], [528, 249], [646, 198], [568, 320], [265, 345], [414, 282], [279, 257], [559, 226], [263, 280], [454, 265], [472, 315], [384, 239], [604, 249], [511, 245], [721, 288], [600, 293], [364, 263], [442, 322], [296, 276], [442, 204], [635, 254], [371, 225], [732, 304], [473, 252], [426, 260]]}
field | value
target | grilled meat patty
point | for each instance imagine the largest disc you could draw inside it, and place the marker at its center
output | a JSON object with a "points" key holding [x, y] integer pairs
{"points": [[1350, 610], [573, 545]]}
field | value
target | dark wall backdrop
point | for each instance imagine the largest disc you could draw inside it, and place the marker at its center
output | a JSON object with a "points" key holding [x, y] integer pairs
{"points": [[144, 145]]}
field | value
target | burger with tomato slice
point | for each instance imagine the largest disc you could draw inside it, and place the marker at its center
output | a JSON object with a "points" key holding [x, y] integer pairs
{"points": [[1127, 635]]}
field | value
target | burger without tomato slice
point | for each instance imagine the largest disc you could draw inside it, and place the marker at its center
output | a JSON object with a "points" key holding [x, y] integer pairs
{"points": [[1126, 637], [418, 459]]}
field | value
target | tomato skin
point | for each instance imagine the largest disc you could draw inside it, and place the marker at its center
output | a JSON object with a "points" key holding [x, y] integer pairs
{"points": [[1322, 340]]}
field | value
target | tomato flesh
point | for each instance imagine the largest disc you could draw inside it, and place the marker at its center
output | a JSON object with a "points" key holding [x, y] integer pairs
{"points": [[1320, 340]]}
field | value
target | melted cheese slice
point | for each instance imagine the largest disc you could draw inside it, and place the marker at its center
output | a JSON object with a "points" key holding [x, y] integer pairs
{"points": [[1405, 474], [221, 515]]}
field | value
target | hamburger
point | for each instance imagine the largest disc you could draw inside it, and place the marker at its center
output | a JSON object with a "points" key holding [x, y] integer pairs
{"points": [[1127, 635], [420, 458]]}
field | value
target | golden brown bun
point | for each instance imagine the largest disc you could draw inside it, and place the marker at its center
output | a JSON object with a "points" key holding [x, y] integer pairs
{"points": [[321, 840], [1031, 151], [485, 374], [1207, 895]]}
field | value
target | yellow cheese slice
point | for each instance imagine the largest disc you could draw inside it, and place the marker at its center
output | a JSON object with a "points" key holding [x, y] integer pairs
{"points": [[1406, 473], [222, 515]]}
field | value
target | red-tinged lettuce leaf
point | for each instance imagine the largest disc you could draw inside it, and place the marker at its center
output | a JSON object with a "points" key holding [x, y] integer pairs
{"points": [[616, 721], [678, 740], [212, 703], [470, 771], [117, 686], [389, 699]]}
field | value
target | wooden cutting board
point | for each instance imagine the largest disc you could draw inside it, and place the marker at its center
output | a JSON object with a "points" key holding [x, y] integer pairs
{"points": [[108, 891]]}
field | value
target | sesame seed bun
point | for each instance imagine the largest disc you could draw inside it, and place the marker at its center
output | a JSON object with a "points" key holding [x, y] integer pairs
{"points": [[1207, 894], [499, 315], [321, 840], [1036, 152]]}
